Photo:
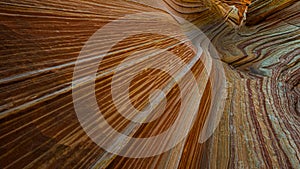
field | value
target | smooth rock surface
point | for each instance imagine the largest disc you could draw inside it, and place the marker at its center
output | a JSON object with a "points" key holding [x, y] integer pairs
{"points": [[259, 47]]}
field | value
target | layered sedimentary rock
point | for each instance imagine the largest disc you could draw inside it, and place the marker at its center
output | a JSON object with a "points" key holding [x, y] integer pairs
{"points": [[258, 46]]}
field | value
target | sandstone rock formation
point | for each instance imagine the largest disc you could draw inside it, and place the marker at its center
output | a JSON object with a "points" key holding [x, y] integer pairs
{"points": [[258, 102]]}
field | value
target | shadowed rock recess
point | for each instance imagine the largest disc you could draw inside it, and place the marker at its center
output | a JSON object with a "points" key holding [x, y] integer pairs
{"points": [[258, 42]]}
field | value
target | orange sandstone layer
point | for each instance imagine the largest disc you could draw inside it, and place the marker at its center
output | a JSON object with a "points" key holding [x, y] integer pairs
{"points": [[258, 43]]}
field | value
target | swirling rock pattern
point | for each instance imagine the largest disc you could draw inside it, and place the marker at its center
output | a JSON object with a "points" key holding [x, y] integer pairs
{"points": [[259, 46]]}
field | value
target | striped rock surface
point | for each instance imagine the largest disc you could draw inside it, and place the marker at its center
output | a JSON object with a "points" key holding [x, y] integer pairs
{"points": [[259, 106]]}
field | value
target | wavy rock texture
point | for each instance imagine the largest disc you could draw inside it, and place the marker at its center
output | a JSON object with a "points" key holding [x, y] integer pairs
{"points": [[258, 43]]}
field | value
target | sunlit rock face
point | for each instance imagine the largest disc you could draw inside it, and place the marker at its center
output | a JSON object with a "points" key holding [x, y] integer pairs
{"points": [[247, 78]]}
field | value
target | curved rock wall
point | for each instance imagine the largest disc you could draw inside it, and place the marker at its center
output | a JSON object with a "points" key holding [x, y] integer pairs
{"points": [[258, 44]]}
